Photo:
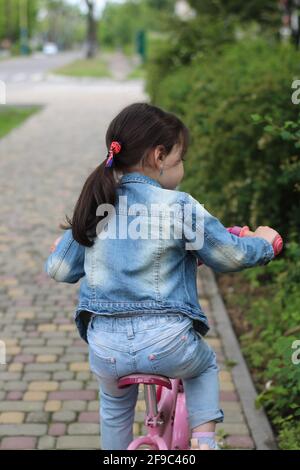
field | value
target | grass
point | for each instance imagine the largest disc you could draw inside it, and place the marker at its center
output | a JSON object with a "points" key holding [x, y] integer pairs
{"points": [[138, 72], [96, 67], [13, 116]]}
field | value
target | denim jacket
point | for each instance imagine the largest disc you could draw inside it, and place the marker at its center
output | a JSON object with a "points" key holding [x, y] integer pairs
{"points": [[150, 269]]}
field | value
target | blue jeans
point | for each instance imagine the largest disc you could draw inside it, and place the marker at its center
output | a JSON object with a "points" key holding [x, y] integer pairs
{"points": [[152, 344]]}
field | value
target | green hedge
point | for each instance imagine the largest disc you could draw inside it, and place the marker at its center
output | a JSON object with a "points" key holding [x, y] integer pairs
{"points": [[238, 170], [243, 164], [273, 319]]}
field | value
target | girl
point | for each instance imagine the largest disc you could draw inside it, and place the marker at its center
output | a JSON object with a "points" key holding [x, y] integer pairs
{"points": [[129, 240]]}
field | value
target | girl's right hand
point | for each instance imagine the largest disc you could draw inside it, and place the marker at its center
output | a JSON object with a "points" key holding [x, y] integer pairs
{"points": [[265, 232]]}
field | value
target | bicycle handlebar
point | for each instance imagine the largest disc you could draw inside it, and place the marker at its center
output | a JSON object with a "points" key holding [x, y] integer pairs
{"points": [[245, 231]]}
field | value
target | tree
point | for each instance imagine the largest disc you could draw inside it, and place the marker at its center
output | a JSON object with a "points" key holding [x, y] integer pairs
{"points": [[9, 20], [167, 5], [91, 29], [15, 14], [120, 22], [52, 26], [262, 11]]}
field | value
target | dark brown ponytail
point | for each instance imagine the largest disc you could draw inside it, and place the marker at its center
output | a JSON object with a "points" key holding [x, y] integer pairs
{"points": [[140, 127]]}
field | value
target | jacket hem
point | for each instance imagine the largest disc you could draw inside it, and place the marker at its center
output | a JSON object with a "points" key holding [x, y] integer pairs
{"points": [[200, 322]]}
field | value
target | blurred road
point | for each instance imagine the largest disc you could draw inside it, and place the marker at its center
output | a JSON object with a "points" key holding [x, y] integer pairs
{"points": [[48, 396], [35, 67]]}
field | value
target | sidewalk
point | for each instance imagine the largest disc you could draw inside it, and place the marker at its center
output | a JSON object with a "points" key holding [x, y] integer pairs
{"points": [[48, 395]]}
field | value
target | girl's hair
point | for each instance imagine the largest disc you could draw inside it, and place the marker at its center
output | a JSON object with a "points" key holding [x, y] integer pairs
{"points": [[139, 127]]}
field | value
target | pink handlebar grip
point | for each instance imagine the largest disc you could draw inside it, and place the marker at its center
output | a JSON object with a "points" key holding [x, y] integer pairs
{"points": [[277, 244], [235, 230]]}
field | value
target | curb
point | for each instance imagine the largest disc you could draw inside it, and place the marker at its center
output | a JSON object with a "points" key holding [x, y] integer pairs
{"points": [[257, 421]]}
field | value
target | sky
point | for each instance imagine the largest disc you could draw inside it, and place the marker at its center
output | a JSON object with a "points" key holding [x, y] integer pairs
{"points": [[100, 4]]}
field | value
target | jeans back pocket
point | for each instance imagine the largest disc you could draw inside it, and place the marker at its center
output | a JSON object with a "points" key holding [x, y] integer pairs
{"points": [[171, 357], [103, 363]]}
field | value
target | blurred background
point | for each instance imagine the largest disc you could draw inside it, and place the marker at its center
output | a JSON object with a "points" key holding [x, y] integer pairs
{"points": [[230, 70]]}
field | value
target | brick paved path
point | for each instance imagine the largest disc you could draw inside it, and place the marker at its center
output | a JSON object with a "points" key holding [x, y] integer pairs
{"points": [[48, 396]]}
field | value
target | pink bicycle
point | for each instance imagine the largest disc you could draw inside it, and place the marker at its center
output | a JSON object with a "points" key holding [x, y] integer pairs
{"points": [[166, 414]]}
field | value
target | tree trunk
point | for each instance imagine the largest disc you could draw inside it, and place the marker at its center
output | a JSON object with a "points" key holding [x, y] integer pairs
{"points": [[91, 30]]}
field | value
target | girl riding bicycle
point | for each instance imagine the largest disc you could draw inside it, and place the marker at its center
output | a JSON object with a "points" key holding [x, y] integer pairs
{"points": [[135, 240]]}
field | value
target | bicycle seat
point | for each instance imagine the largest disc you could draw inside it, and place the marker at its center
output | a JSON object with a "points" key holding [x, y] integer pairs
{"points": [[147, 379]]}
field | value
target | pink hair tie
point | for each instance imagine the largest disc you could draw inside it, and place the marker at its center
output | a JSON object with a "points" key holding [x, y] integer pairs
{"points": [[115, 147]]}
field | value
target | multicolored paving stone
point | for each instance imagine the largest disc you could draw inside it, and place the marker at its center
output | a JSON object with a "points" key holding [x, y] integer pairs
{"points": [[234, 432], [49, 398]]}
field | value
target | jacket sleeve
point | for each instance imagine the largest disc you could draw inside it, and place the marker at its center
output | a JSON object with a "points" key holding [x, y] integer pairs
{"points": [[66, 263], [216, 247]]}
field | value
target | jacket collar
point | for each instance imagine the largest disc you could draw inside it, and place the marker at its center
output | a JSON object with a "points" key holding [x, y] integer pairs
{"points": [[136, 177]]}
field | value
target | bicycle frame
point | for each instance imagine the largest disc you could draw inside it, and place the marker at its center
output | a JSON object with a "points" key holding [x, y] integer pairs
{"points": [[166, 417]]}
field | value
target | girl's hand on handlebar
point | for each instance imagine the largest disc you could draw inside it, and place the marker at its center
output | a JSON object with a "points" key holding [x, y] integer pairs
{"points": [[265, 232]]}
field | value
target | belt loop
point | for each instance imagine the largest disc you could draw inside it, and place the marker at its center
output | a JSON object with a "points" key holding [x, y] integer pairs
{"points": [[130, 331]]}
